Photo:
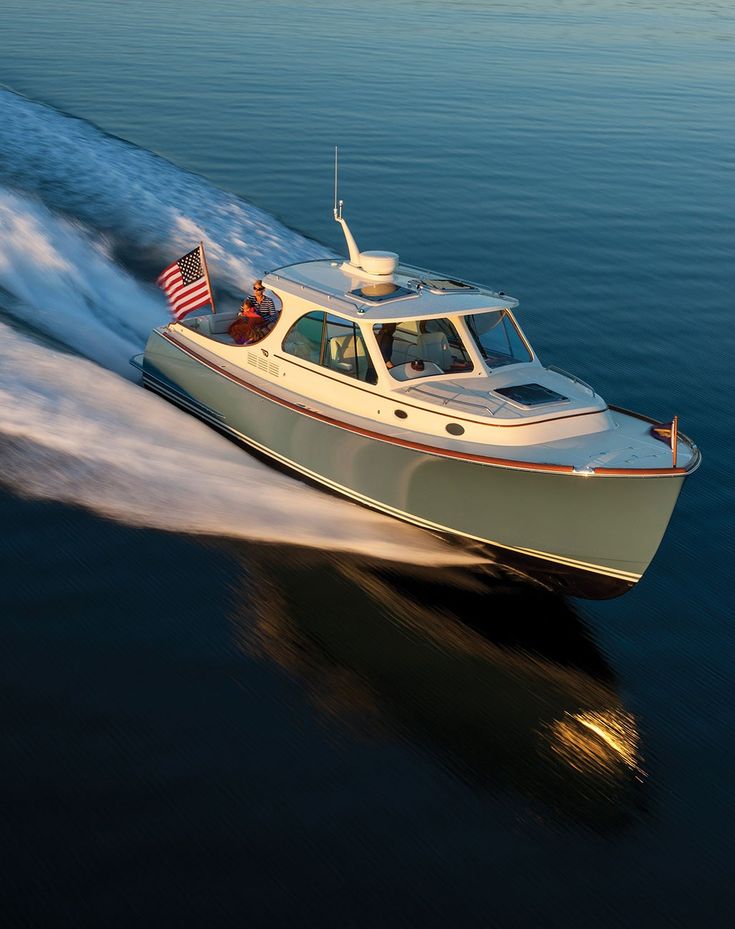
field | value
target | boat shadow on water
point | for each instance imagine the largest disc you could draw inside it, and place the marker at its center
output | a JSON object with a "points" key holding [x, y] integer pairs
{"points": [[497, 680]]}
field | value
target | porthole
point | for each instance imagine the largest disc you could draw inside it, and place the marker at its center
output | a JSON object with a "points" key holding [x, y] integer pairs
{"points": [[455, 429], [401, 414]]}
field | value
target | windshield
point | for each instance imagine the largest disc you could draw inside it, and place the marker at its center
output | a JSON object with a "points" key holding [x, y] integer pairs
{"points": [[498, 338], [435, 342]]}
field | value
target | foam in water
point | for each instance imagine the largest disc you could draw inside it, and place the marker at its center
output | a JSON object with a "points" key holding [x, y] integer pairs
{"points": [[73, 431], [64, 283], [146, 206]]}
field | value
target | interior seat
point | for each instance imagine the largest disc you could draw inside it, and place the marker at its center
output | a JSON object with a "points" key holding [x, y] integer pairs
{"points": [[347, 354], [434, 347]]}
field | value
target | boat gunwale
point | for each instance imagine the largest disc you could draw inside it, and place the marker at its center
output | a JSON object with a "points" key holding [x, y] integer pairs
{"points": [[507, 463]]}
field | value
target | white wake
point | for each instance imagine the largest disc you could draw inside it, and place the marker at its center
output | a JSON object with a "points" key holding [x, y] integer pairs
{"points": [[141, 203], [73, 431], [71, 428]]}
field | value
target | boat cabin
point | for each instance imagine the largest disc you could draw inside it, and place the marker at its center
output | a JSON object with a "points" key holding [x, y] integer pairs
{"points": [[440, 343], [412, 326]]}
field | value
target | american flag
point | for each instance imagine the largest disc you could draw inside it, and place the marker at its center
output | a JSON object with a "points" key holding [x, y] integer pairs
{"points": [[186, 283]]}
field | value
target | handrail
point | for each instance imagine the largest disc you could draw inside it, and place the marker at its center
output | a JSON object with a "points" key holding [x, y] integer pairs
{"points": [[572, 377]]}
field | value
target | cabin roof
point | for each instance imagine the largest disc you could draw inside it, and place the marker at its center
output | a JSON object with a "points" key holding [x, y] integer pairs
{"points": [[407, 293]]}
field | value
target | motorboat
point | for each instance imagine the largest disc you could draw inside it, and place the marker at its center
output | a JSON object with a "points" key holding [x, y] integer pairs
{"points": [[418, 394]]}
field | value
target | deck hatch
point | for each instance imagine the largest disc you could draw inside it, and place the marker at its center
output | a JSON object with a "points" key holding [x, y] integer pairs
{"points": [[380, 293], [530, 394], [446, 285]]}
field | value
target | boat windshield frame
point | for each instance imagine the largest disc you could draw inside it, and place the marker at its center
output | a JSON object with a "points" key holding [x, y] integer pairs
{"points": [[437, 342], [512, 331]]}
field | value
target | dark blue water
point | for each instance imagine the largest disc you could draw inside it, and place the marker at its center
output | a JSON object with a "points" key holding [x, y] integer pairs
{"points": [[206, 724]]}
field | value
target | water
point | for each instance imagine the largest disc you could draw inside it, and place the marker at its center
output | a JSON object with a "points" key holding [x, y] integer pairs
{"points": [[218, 705]]}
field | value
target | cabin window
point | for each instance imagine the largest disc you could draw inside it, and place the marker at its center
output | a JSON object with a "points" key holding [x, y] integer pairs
{"points": [[498, 339], [304, 338], [332, 342], [434, 341]]}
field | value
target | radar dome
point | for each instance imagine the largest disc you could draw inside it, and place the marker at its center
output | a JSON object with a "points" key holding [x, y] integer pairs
{"points": [[378, 262]]}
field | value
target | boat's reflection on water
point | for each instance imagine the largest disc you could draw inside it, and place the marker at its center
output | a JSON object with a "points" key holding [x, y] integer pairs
{"points": [[497, 679]]}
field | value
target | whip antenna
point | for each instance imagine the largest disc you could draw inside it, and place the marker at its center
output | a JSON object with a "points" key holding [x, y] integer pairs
{"points": [[337, 212], [338, 204]]}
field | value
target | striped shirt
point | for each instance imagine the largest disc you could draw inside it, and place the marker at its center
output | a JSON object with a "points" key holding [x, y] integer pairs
{"points": [[266, 308]]}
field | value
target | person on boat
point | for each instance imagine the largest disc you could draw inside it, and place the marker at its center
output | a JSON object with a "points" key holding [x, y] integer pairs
{"points": [[385, 342], [257, 317], [264, 305], [249, 326]]}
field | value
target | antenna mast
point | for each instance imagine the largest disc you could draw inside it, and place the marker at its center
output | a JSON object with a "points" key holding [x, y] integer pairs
{"points": [[338, 204]]}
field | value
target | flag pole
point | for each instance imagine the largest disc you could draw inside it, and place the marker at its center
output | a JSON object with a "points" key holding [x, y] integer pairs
{"points": [[209, 281], [674, 438]]}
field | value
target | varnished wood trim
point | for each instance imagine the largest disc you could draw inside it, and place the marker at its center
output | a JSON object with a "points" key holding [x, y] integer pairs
{"points": [[391, 440], [433, 449]]}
